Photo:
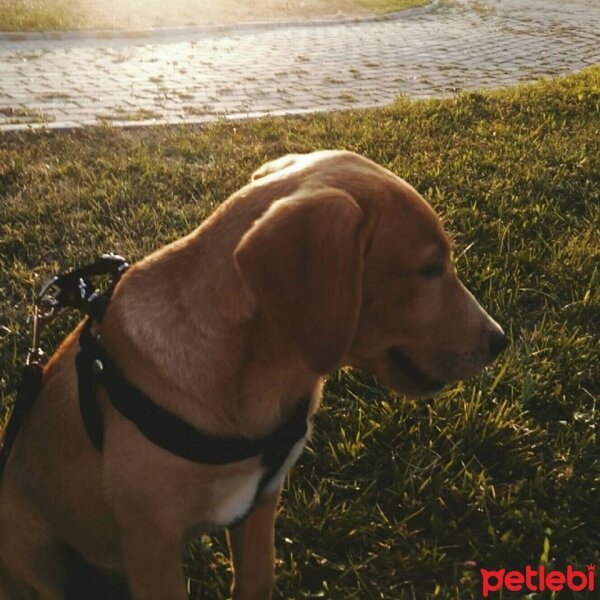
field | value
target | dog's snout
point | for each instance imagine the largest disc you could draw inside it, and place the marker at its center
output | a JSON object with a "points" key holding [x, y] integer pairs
{"points": [[498, 342]]}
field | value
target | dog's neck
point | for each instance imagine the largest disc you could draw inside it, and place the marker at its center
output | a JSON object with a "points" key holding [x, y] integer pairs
{"points": [[173, 329]]}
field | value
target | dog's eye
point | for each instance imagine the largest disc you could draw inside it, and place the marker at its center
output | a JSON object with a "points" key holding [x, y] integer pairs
{"points": [[432, 271]]}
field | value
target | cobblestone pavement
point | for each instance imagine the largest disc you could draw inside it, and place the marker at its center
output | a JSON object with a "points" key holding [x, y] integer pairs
{"points": [[247, 71]]}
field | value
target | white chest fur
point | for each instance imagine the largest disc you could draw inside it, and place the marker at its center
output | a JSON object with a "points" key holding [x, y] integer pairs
{"points": [[235, 496]]}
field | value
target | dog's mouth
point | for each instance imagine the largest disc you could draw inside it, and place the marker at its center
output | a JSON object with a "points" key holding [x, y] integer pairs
{"points": [[408, 368]]}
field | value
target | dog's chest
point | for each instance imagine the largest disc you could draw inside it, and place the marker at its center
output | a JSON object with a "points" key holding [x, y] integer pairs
{"points": [[235, 497]]}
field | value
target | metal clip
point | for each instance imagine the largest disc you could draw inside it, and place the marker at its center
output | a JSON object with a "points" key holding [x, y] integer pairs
{"points": [[45, 308], [35, 353]]}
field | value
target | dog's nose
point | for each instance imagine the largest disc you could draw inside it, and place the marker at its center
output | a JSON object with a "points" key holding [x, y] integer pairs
{"points": [[498, 342]]}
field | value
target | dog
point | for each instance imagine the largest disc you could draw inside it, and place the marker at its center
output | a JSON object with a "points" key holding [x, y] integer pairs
{"points": [[323, 260]]}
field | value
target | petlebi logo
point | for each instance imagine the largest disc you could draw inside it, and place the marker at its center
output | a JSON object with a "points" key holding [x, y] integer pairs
{"points": [[539, 580]]}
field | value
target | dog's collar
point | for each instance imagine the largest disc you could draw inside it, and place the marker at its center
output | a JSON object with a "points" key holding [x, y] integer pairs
{"points": [[170, 432], [166, 429]]}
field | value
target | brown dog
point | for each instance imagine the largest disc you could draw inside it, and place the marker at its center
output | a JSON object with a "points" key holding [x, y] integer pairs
{"points": [[325, 259]]}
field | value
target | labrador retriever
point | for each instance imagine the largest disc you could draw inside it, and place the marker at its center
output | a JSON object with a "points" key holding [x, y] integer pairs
{"points": [[323, 260]]}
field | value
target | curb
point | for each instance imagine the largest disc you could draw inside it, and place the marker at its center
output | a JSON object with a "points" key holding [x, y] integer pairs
{"points": [[67, 125], [163, 32]]}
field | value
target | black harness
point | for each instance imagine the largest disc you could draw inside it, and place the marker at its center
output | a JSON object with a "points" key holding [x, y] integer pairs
{"points": [[95, 367]]}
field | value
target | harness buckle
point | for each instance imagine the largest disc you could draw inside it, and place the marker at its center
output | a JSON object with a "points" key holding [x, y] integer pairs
{"points": [[68, 290]]}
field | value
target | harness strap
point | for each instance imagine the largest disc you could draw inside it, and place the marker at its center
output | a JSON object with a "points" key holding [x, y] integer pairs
{"points": [[166, 429], [27, 391], [86, 387]]}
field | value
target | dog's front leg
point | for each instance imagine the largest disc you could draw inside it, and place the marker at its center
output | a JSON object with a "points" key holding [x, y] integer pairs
{"points": [[154, 566], [253, 552]]}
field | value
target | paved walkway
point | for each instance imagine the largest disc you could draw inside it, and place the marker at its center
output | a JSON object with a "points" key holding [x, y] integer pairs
{"points": [[202, 75]]}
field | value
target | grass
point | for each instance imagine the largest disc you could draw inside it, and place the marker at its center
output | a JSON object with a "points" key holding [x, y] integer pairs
{"points": [[27, 15], [24, 115], [395, 498], [122, 114]]}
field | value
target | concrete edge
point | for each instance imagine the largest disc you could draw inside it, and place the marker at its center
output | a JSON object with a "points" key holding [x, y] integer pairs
{"points": [[229, 28], [184, 120]]}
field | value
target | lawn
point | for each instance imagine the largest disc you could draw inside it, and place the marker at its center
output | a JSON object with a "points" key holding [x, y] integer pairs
{"points": [[395, 498], [24, 15]]}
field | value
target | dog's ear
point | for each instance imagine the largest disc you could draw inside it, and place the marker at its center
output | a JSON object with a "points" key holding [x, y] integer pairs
{"points": [[303, 260]]}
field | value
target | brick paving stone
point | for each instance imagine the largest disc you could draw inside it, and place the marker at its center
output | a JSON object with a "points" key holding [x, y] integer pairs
{"points": [[251, 71]]}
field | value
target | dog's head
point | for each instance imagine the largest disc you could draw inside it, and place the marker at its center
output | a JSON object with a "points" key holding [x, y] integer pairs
{"points": [[356, 268]]}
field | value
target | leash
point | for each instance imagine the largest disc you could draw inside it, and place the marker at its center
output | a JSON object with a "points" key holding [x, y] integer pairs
{"points": [[94, 367], [73, 289]]}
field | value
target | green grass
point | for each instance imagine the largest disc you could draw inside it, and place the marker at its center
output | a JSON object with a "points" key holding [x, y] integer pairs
{"points": [[389, 6], [27, 15], [395, 498]]}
